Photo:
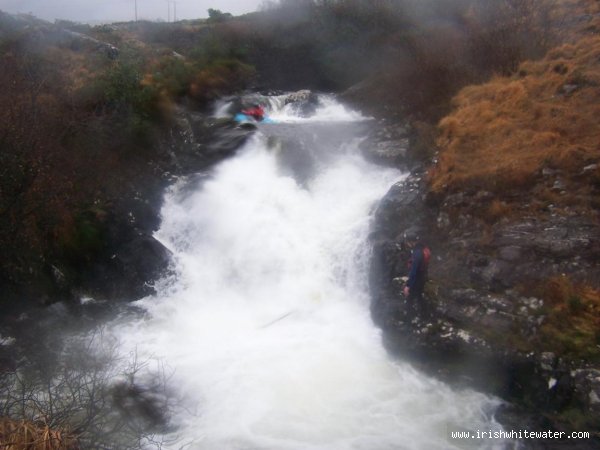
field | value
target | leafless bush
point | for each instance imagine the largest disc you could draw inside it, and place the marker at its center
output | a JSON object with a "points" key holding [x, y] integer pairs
{"points": [[503, 33], [92, 393]]}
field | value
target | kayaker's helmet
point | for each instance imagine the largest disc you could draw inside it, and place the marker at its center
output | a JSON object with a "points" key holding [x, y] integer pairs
{"points": [[411, 235]]}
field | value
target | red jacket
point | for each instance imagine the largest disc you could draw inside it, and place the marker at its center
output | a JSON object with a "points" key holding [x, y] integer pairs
{"points": [[257, 112]]}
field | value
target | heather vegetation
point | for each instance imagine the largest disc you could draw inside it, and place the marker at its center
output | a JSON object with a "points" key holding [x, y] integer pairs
{"points": [[530, 140], [502, 134], [79, 133]]}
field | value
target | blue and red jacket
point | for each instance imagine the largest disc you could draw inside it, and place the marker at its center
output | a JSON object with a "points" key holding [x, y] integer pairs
{"points": [[418, 266]]}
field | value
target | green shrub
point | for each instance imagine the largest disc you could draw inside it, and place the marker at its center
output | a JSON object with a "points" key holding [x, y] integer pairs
{"points": [[172, 76], [575, 304], [220, 78], [122, 89], [215, 15], [87, 236]]}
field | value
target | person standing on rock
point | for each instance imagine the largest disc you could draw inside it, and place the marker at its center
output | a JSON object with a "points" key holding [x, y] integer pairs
{"points": [[418, 266]]}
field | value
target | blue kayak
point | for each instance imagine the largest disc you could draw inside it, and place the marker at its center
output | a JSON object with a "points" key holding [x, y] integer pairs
{"points": [[244, 118]]}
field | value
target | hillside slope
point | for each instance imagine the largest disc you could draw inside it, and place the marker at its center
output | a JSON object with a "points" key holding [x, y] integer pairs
{"points": [[509, 206], [94, 124], [528, 146]]}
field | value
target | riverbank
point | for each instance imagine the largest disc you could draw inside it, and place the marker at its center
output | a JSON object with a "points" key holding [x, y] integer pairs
{"points": [[467, 333], [98, 125], [504, 190], [512, 302]]}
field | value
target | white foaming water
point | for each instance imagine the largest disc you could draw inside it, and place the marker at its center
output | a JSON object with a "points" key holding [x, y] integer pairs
{"points": [[267, 325], [328, 110]]}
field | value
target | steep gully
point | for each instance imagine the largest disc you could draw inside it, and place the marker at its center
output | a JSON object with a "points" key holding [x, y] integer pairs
{"points": [[264, 314]]}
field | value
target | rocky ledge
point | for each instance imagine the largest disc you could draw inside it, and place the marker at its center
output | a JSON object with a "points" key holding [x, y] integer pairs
{"points": [[115, 255], [476, 327], [132, 258]]}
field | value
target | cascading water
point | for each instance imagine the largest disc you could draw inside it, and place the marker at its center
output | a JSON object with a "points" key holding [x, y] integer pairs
{"points": [[266, 321]]}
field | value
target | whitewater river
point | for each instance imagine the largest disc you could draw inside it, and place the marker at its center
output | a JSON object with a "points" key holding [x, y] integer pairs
{"points": [[264, 324]]}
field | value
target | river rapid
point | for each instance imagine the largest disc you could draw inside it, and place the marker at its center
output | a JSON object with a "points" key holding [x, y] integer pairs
{"points": [[264, 322]]}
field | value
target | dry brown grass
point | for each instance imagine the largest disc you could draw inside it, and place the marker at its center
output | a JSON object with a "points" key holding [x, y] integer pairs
{"points": [[501, 134], [579, 17], [22, 435], [572, 323], [496, 210]]}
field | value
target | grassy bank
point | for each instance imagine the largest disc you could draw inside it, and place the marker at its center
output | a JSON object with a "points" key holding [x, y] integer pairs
{"points": [[529, 140]]}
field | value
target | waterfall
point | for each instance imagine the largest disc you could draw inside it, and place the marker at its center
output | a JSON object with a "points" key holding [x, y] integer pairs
{"points": [[265, 321]]}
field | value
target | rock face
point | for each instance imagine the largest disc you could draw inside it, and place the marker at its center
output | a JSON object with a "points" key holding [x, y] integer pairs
{"points": [[474, 327], [129, 261], [122, 260], [82, 39], [388, 144], [301, 96], [133, 259], [305, 102]]}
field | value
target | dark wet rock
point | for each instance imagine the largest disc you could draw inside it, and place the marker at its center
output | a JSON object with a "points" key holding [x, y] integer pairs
{"points": [[510, 253], [548, 361], [304, 101], [473, 324], [559, 185], [456, 200], [559, 237], [568, 89], [401, 208], [389, 152], [130, 272], [495, 274], [388, 145], [79, 38], [548, 172], [299, 96], [443, 220], [131, 259], [223, 140], [587, 388], [197, 141]]}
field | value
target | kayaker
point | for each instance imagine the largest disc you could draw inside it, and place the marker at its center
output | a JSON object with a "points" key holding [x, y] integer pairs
{"points": [[257, 112]]}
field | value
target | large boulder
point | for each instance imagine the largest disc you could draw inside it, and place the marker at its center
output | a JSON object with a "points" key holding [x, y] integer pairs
{"points": [[388, 144], [305, 102]]}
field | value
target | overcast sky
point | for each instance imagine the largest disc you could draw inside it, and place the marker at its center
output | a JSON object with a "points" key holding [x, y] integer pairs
{"points": [[121, 10]]}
